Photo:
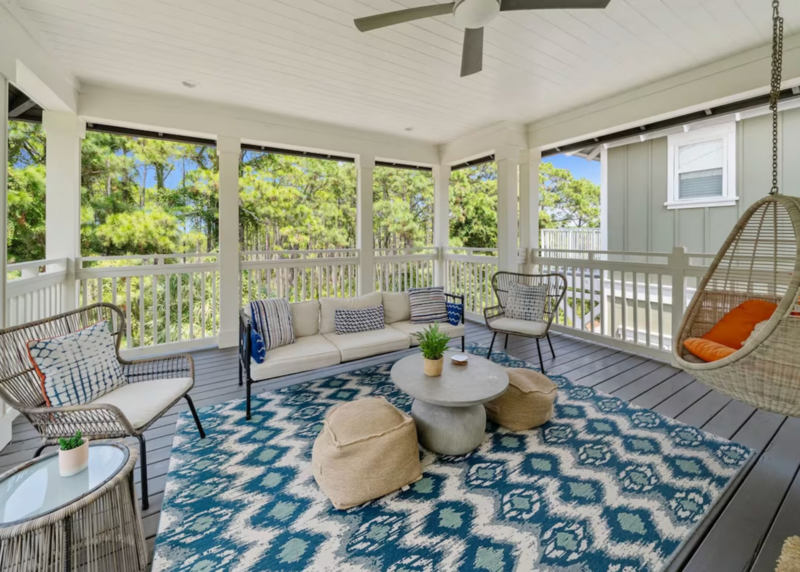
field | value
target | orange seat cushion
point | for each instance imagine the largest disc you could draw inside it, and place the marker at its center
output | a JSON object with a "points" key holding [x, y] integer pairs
{"points": [[737, 325], [707, 350]]}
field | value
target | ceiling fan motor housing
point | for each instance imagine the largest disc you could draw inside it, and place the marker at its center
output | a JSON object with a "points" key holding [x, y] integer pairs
{"points": [[475, 13]]}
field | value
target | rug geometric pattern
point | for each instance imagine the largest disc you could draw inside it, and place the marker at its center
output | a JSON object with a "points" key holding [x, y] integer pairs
{"points": [[605, 486]]}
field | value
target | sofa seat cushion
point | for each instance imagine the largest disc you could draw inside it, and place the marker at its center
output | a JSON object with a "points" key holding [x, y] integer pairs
{"points": [[366, 344], [522, 327], [305, 354], [409, 328], [143, 401]]}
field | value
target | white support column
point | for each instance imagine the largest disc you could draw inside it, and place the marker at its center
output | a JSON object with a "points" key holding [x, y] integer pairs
{"points": [[441, 220], [3, 218], [229, 151], [364, 233], [604, 198], [65, 132], [529, 203], [507, 186]]}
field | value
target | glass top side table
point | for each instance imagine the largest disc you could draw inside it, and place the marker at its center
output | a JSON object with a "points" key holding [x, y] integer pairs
{"points": [[89, 521]]}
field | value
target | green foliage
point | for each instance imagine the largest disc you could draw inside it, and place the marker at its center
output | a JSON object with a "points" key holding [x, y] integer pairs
{"points": [[567, 202], [26, 192], [71, 443], [433, 342], [403, 208]]}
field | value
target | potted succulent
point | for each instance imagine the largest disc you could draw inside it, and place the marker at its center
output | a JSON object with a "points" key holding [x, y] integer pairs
{"points": [[433, 342], [73, 455]]}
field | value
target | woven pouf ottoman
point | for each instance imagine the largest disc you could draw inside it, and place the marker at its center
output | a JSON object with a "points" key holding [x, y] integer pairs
{"points": [[526, 404], [366, 449]]}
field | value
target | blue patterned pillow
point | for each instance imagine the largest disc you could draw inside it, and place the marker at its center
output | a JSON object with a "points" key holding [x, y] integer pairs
{"points": [[257, 350], [273, 320], [363, 320], [77, 368], [428, 305], [454, 313]]}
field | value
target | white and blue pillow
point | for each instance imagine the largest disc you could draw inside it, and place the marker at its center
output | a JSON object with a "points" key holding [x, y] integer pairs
{"points": [[272, 319], [428, 305], [526, 302], [77, 368], [362, 320], [454, 313]]}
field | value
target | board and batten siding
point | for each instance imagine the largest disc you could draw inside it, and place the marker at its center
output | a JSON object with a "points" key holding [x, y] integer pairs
{"points": [[637, 189]]}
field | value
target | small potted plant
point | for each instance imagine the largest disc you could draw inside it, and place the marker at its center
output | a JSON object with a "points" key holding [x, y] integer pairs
{"points": [[73, 456], [433, 342]]}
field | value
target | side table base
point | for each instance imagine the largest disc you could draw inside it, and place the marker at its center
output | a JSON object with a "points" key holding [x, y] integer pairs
{"points": [[449, 430]]}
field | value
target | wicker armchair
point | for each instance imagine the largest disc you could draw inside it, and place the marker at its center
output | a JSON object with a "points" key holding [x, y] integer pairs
{"points": [[498, 323], [21, 388]]}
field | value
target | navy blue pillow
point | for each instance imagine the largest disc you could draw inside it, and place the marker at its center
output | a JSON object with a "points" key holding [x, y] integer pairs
{"points": [[453, 313], [258, 351]]}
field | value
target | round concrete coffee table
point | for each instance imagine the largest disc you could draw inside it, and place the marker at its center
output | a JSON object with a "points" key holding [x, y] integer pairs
{"points": [[448, 410]]}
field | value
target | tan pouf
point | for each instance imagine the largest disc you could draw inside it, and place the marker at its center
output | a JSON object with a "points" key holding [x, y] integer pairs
{"points": [[527, 403], [366, 449], [789, 560]]}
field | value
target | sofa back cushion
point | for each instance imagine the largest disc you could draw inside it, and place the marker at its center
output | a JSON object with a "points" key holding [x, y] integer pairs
{"points": [[396, 307], [273, 320], [428, 305], [328, 307], [305, 318], [355, 321]]}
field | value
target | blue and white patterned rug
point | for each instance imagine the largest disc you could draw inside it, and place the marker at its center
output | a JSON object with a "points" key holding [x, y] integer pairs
{"points": [[604, 487]]}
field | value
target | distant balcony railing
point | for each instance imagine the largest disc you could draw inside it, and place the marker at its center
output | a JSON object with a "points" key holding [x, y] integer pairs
{"points": [[570, 239]]}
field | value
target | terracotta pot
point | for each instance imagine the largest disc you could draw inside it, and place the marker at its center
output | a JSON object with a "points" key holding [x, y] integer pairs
{"points": [[433, 367], [73, 461]]}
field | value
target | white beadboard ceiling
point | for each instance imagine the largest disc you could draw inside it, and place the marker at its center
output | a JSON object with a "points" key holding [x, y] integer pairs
{"points": [[305, 58]]}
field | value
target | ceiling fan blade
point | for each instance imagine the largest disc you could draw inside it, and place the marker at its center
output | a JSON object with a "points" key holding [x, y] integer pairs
{"points": [[507, 5], [472, 58], [401, 16]]}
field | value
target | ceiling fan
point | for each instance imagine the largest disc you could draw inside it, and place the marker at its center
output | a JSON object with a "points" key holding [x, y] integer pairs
{"points": [[472, 15]]}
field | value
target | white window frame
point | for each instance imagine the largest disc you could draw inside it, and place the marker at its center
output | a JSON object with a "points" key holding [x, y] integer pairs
{"points": [[727, 134]]}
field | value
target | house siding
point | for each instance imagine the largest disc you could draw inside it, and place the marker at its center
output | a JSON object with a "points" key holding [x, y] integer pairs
{"points": [[637, 189]]}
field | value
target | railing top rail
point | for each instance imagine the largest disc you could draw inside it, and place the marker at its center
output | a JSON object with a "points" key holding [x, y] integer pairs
{"points": [[147, 257], [36, 264], [300, 252], [470, 249]]}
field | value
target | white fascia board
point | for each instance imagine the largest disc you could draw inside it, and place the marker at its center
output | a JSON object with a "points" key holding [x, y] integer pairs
{"points": [[725, 81], [483, 142], [189, 115], [27, 63]]}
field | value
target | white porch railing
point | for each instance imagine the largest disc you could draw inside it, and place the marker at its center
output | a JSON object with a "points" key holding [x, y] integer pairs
{"points": [[398, 269], [299, 275], [570, 239], [169, 300], [35, 290], [469, 271]]}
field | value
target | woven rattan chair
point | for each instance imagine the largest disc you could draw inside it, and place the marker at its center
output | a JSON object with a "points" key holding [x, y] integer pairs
{"points": [[21, 387], [499, 323]]}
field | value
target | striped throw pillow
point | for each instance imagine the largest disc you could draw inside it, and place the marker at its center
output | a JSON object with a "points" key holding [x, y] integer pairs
{"points": [[526, 302], [363, 320], [428, 305], [77, 368], [273, 320]]}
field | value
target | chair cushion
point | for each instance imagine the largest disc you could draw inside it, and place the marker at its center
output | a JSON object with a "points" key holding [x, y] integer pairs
{"points": [[366, 344], [735, 326], [409, 328], [707, 350], [304, 354], [527, 403], [305, 318], [328, 307], [77, 368], [522, 327], [428, 305], [363, 320], [526, 302], [143, 401], [396, 307], [366, 449], [273, 320]]}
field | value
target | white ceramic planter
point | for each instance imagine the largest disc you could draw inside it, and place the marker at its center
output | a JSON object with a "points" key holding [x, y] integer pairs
{"points": [[73, 461]]}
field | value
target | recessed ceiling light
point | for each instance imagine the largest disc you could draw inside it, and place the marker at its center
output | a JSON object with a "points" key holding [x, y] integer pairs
{"points": [[189, 83], [409, 129]]}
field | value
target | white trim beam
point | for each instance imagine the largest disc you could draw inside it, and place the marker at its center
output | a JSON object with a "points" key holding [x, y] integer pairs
{"points": [[229, 152], [507, 188]]}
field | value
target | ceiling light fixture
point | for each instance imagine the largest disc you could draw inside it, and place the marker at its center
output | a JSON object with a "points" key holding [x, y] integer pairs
{"points": [[409, 129], [189, 83]]}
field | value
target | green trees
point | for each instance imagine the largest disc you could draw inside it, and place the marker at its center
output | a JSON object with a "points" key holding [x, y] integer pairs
{"points": [[26, 192]]}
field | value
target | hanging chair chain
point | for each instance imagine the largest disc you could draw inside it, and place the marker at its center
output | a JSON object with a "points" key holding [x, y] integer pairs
{"points": [[775, 92]]}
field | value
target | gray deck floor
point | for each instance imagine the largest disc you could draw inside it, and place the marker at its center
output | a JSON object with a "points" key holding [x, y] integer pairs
{"points": [[748, 529]]}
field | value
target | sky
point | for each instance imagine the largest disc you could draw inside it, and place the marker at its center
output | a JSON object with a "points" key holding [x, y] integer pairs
{"points": [[579, 167]]}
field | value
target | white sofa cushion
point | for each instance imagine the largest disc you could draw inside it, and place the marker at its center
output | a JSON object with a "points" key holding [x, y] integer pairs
{"points": [[305, 318], [366, 344], [396, 307], [409, 328], [142, 401], [522, 326], [305, 354], [328, 307]]}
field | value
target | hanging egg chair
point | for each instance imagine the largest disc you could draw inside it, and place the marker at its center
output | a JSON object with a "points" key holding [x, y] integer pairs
{"points": [[760, 260]]}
